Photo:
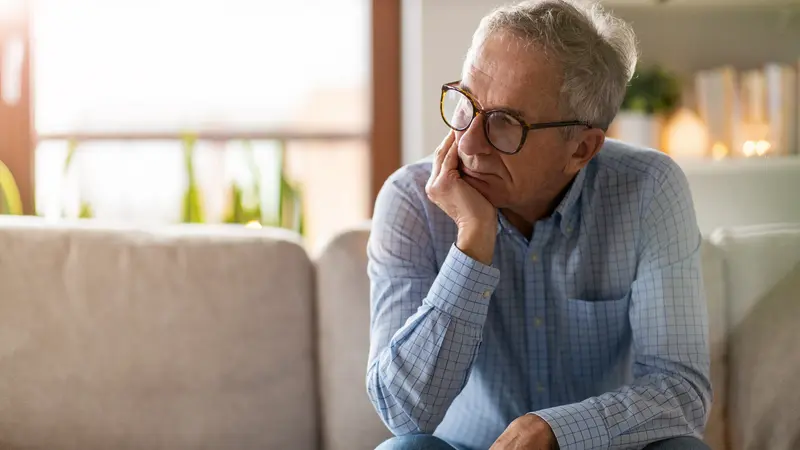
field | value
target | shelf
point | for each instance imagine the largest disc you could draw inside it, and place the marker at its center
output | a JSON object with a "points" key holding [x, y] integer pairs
{"points": [[742, 165]]}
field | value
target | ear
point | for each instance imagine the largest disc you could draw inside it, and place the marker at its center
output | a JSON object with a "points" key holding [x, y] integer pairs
{"points": [[587, 143]]}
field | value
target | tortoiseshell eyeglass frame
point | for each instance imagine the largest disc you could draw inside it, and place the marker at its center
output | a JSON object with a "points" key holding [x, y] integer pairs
{"points": [[455, 86]]}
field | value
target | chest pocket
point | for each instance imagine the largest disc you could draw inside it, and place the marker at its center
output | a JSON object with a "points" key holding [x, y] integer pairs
{"points": [[593, 338]]}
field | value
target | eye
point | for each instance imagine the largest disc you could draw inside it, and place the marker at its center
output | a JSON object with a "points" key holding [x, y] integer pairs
{"points": [[509, 120], [502, 119]]}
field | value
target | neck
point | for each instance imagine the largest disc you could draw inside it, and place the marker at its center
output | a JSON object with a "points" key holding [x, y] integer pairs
{"points": [[523, 218]]}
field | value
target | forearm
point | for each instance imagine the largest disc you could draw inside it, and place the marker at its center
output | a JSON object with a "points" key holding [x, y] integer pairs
{"points": [[414, 378], [666, 402]]}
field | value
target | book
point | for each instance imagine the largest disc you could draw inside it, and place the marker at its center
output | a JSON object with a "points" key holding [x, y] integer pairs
{"points": [[718, 105], [781, 107]]}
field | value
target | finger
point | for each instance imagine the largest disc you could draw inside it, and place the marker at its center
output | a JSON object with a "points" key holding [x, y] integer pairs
{"points": [[451, 158], [440, 153]]}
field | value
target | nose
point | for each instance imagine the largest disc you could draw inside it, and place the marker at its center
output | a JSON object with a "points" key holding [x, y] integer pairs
{"points": [[472, 141]]}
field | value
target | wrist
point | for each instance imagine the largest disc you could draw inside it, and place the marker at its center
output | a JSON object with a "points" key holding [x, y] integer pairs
{"points": [[478, 242]]}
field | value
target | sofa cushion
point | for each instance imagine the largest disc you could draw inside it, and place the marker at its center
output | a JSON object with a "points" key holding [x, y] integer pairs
{"points": [[183, 337], [349, 420], [762, 273]]}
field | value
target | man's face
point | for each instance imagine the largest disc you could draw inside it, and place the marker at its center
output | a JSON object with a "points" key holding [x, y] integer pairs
{"points": [[505, 75]]}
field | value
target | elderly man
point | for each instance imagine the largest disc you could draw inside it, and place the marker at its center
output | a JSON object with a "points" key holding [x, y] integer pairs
{"points": [[534, 285]]}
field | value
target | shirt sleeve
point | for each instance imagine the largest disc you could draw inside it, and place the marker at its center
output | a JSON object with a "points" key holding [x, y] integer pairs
{"points": [[671, 393], [426, 323]]}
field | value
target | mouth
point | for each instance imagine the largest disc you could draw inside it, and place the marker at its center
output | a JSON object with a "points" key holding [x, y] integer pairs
{"points": [[473, 174]]}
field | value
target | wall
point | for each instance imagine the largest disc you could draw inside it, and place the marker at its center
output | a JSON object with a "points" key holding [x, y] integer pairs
{"points": [[436, 35]]}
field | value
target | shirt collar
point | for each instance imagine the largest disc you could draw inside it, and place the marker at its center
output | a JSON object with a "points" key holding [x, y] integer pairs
{"points": [[567, 210]]}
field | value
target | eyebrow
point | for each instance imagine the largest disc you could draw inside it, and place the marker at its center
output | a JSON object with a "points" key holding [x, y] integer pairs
{"points": [[513, 111]]}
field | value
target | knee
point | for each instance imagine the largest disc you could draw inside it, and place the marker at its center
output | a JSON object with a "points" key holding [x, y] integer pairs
{"points": [[414, 442], [679, 443]]}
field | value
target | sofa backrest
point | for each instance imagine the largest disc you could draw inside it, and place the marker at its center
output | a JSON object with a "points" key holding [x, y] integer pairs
{"points": [[343, 307], [762, 280], [185, 337], [349, 420]]}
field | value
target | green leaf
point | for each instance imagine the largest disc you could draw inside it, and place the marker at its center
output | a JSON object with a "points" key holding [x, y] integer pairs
{"points": [[192, 198], [10, 199], [653, 91]]}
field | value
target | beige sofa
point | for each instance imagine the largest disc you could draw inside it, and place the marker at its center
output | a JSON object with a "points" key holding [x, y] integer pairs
{"points": [[211, 337]]}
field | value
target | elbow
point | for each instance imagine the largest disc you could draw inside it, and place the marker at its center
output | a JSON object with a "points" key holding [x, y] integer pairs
{"points": [[395, 416], [697, 410], [705, 397]]}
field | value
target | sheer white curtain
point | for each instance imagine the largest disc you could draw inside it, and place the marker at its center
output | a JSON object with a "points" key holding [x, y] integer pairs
{"points": [[175, 66]]}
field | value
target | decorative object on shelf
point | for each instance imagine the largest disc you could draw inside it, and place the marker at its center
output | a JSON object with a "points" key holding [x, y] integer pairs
{"points": [[755, 148], [686, 135], [753, 113], [651, 97], [719, 107], [754, 126], [192, 198], [10, 200], [782, 108], [719, 151]]}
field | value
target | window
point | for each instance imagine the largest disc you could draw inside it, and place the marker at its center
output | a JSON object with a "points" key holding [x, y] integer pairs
{"points": [[275, 83]]}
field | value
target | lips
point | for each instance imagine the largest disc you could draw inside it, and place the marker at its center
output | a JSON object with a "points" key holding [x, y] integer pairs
{"points": [[472, 173]]}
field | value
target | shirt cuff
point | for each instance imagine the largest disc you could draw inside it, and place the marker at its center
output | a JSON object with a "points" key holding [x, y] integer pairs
{"points": [[464, 287], [576, 426]]}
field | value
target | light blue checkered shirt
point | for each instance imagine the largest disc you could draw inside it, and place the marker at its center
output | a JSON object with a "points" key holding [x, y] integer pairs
{"points": [[598, 324]]}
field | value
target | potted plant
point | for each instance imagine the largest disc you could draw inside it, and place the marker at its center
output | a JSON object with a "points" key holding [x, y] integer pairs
{"points": [[653, 94]]}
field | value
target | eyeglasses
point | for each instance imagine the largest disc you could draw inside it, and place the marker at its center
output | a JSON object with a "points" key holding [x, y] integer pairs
{"points": [[505, 130]]}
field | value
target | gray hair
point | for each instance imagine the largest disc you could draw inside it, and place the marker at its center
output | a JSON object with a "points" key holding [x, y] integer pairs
{"points": [[596, 51]]}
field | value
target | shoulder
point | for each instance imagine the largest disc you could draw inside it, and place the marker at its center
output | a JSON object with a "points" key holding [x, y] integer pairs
{"points": [[617, 157], [405, 222], [405, 190], [402, 202], [409, 180], [646, 172]]}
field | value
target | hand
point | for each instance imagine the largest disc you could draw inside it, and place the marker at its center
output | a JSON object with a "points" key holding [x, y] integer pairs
{"points": [[529, 432], [475, 217]]}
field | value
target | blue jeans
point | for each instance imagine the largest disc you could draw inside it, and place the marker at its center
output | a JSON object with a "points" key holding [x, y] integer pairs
{"points": [[428, 442]]}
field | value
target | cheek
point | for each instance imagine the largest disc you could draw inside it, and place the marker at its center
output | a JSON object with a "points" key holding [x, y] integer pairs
{"points": [[532, 170]]}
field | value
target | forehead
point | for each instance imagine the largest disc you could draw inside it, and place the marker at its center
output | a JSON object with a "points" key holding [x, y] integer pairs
{"points": [[505, 73]]}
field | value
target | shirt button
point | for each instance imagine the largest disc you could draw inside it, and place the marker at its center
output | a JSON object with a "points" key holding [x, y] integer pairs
{"points": [[537, 322], [487, 293], [569, 230], [539, 387], [534, 257]]}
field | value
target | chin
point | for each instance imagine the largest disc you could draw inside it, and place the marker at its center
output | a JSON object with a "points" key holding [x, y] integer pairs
{"points": [[492, 191]]}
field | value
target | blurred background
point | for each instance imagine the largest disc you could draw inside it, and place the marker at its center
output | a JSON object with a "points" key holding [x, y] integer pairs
{"points": [[293, 113]]}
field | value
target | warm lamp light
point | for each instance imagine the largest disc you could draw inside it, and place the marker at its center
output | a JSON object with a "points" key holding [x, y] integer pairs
{"points": [[719, 151], [756, 148], [686, 135]]}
